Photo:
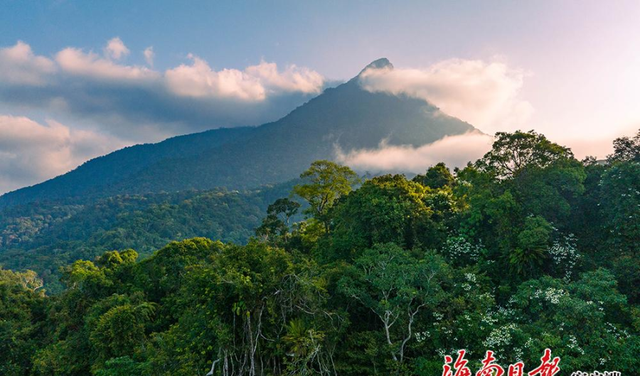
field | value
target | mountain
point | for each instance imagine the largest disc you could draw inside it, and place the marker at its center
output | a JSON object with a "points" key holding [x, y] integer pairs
{"points": [[215, 184], [346, 117]]}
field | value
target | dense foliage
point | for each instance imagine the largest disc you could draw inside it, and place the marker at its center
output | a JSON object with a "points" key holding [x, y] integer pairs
{"points": [[46, 236], [525, 249]]}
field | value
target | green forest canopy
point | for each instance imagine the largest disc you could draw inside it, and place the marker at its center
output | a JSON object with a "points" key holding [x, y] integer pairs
{"points": [[525, 249]]}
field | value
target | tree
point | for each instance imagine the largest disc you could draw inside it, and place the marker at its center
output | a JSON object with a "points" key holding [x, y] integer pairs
{"points": [[490, 211], [284, 208], [396, 287], [437, 176], [390, 208], [278, 218], [528, 257], [620, 206], [120, 331], [511, 152], [238, 314], [22, 306], [582, 321], [551, 191], [325, 182], [626, 149]]}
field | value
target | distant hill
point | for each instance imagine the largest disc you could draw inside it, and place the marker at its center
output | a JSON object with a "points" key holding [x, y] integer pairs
{"points": [[94, 177], [344, 117]]}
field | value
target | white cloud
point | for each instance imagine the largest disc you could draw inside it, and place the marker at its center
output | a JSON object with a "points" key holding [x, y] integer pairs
{"points": [[255, 83], [291, 79], [199, 80], [19, 66], [455, 151], [149, 55], [87, 83], [76, 62], [31, 152], [483, 94], [115, 49]]}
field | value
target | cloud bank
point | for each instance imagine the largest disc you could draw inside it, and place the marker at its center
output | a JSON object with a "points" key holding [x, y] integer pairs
{"points": [[31, 152], [120, 103], [483, 94], [138, 102], [455, 151]]}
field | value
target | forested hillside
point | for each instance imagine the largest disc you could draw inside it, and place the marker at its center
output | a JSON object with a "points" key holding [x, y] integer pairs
{"points": [[46, 236], [525, 249], [93, 178]]}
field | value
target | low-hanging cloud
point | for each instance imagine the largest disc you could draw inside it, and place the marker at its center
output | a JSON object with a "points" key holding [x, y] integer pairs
{"points": [[483, 94], [455, 151], [138, 102], [31, 152]]}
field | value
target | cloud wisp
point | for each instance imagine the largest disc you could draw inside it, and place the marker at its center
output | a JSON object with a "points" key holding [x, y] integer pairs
{"points": [[149, 55], [31, 152], [455, 151], [480, 93], [115, 49]]}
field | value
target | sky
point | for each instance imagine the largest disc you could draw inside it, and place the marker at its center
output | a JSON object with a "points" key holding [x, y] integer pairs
{"points": [[80, 79]]}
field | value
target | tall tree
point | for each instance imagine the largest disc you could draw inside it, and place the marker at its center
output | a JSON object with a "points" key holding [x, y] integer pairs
{"points": [[324, 183], [437, 176], [511, 152], [390, 208], [396, 287], [626, 149], [278, 219]]}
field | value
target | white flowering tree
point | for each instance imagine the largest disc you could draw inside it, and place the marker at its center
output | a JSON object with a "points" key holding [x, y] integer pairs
{"points": [[582, 320], [395, 287]]}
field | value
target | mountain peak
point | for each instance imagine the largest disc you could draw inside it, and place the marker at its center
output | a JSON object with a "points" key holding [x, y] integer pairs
{"points": [[379, 64], [346, 118]]}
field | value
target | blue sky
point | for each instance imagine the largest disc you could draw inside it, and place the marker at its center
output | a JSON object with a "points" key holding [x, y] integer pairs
{"points": [[334, 37], [569, 69]]}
